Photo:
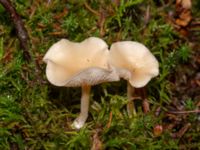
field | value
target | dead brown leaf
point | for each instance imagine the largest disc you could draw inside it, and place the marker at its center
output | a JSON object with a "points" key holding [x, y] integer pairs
{"points": [[61, 15], [183, 11], [184, 18]]}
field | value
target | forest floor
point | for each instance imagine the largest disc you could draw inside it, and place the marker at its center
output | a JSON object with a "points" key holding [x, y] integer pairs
{"points": [[37, 115]]}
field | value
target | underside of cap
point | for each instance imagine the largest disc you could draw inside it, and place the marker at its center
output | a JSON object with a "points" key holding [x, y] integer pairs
{"points": [[92, 76], [140, 80], [57, 75], [74, 64]]}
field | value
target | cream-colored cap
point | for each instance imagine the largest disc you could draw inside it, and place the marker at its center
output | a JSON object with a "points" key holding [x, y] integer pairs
{"points": [[133, 62], [75, 64]]}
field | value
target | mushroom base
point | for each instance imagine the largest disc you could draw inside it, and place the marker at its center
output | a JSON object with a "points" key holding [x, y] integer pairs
{"points": [[81, 119]]}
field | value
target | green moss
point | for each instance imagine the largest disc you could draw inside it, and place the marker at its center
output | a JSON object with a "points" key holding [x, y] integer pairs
{"points": [[37, 115]]}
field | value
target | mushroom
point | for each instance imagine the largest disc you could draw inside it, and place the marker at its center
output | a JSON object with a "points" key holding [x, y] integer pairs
{"points": [[84, 64], [134, 63]]}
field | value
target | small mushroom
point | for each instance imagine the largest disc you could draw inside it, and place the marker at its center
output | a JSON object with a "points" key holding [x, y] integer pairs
{"points": [[82, 64], [135, 63]]}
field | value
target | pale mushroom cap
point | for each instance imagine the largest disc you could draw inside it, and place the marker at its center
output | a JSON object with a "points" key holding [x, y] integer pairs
{"points": [[74, 64], [134, 62]]}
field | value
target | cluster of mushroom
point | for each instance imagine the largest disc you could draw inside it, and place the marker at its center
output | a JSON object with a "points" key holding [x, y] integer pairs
{"points": [[90, 62]]}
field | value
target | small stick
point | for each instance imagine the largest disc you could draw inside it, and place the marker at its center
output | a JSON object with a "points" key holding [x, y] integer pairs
{"points": [[147, 16], [19, 26], [182, 131], [91, 10], [183, 112], [110, 120]]}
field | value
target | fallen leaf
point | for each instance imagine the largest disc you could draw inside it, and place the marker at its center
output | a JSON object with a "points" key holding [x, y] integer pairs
{"points": [[184, 18]]}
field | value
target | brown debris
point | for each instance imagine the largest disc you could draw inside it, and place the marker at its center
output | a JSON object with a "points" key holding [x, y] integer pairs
{"points": [[142, 92], [145, 106], [184, 112], [40, 25], [62, 14], [8, 56], [169, 126], [101, 18], [87, 6], [184, 18], [182, 131], [116, 2], [56, 33], [147, 16], [97, 144], [110, 120], [101, 22], [158, 111]]}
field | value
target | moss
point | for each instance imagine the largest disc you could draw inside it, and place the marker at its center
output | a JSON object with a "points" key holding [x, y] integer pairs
{"points": [[37, 115]]}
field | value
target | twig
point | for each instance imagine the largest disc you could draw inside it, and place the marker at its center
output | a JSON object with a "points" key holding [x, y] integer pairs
{"points": [[102, 18], [22, 35], [182, 131], [90, 9], [145, 106], [101, 21], [183, 112], [110, 120], [19, 26], [147, 16]]}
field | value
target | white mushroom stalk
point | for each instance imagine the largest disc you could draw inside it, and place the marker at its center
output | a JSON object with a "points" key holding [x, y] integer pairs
{"points": [[81, 119], [82, 64], [136, 64]]}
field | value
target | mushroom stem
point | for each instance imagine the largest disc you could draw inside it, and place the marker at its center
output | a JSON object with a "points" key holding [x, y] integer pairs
{"points": [[85, 101], [130, 105], [80, 120]]}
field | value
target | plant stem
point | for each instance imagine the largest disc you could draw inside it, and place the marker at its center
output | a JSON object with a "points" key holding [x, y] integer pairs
{"points": [[184, 112], [130, 106]]}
